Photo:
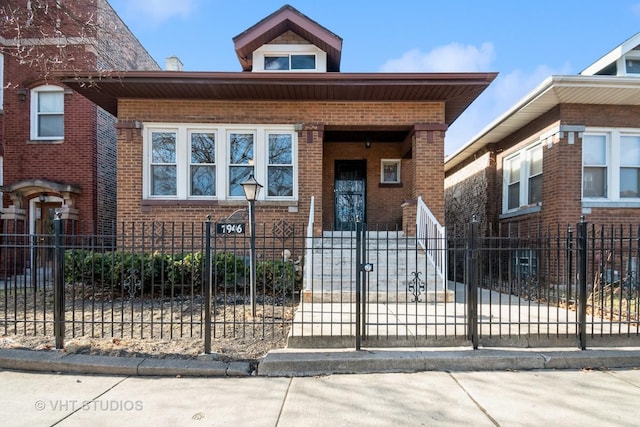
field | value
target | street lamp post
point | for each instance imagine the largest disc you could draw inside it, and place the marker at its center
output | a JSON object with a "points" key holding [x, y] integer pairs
{"points": [[251, 189]]}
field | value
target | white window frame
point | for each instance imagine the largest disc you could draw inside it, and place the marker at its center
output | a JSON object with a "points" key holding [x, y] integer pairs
{"points": [[288, 50], [222, 131], [35, 94], [525, 175], [393, 163], [613, 164], [622, 64], [191, 165]]}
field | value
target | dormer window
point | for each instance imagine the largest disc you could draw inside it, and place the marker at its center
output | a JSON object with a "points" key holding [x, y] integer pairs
{"points": [[305, 62], [633, 65], [289, 57]]}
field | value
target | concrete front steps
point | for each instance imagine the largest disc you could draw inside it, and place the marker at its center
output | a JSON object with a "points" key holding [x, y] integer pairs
{"points": [[401, 270]]}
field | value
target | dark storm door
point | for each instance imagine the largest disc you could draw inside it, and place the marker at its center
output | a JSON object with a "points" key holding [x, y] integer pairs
{"points": [[349, 188], [44, 231]]}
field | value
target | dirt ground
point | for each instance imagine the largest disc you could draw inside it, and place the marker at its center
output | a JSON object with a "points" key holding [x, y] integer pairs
{"points": [[160, 328]]}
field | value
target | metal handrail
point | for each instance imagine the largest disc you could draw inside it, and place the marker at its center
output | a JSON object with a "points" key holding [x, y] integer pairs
{"points": [[431, 237], [309, 243]]}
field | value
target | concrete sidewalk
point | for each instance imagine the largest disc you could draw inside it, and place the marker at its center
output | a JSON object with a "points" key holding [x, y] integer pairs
{"points": [[487, 398]]}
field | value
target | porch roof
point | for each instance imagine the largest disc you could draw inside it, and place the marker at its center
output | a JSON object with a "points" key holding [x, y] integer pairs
{"points": [[456, 90]]}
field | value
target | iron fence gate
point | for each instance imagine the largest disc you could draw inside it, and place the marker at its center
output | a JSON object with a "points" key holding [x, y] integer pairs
{"points": [[515, 286]]}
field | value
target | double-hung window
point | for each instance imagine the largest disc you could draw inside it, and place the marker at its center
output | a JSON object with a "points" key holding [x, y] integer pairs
{"points": [[280, 164], [241, 162], [522, 173], [203, 161], [594, 161], [630, 166], [164, 167], [611, 165], [47, 113]]}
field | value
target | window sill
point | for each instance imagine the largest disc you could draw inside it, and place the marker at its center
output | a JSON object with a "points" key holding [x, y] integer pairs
{"points": [[525, 210], [610, 204], [45, 141], [390, 184], [230, 203]]}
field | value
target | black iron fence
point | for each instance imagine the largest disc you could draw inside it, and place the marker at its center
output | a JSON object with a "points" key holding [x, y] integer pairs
{"points": [[151, 280], [572, 285], [512, 286]]}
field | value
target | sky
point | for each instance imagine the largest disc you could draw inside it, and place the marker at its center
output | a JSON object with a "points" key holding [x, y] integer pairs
{"points": [[524, 41]]}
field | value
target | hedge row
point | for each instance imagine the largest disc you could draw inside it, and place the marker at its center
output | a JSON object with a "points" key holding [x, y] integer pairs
{"points": [[151, 273]]}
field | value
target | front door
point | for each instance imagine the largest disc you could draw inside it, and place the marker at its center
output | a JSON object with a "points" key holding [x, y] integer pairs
{"points": [[349, 188], [44, 232]]}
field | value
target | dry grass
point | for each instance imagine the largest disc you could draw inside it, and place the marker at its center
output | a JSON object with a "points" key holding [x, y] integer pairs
{"points": [[145, 327]]}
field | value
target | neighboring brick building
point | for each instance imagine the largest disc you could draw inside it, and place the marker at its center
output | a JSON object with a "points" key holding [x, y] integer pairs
{"points": [[58, 148], [363, 145], [568, 149]]}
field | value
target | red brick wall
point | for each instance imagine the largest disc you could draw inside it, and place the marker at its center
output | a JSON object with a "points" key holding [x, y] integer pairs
{"points": [[562, 165], [87, 157], [382, 201]]}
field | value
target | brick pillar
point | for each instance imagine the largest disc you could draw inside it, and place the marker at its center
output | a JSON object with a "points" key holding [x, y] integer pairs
{"points": [[310, 150], [129, 170], [427, 147]]}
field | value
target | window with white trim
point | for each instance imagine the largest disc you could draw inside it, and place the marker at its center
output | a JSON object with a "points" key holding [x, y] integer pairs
{"points": [[286, 62], [212, 161], [611, 165], [289, 57], [47, 113], [202, 164], [280, 164], [240, 160], [522, 173]]}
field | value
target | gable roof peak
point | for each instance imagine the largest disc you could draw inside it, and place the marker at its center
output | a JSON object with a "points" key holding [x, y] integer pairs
{"points": [[612, 56], [287, 18]]}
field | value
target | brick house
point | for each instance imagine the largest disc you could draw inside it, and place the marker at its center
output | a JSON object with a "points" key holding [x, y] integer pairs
{"points": [[569, 148], [58, 149], [362, 145]]}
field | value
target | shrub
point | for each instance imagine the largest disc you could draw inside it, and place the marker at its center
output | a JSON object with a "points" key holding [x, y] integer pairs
{"points": [[121, 272], [277, 277]]}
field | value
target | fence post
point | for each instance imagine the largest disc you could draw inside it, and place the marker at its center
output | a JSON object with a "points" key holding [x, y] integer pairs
{"points": [[471, 282], [58, 283], [207, 287], [569, 263], [582, 284], [358, 284]]}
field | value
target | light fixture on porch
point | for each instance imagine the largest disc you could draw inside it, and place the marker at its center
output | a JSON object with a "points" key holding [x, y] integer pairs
{"points": [[22, 94], [367, 142], [42, 197], [251, 189]]}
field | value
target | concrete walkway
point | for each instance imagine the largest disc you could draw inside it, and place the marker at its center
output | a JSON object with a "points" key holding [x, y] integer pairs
{"points": [[503, 398]]}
